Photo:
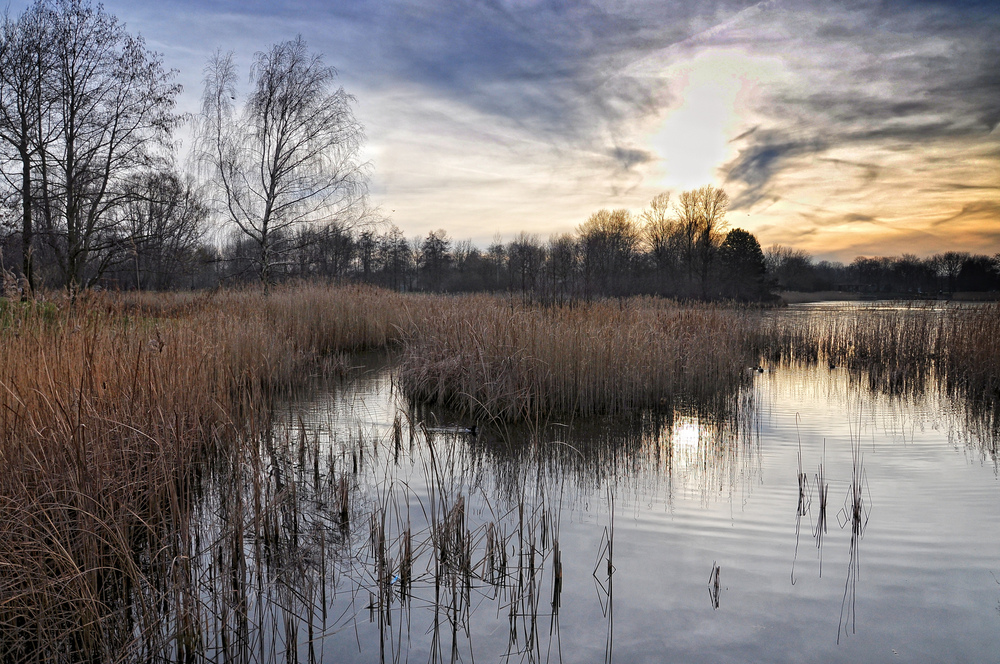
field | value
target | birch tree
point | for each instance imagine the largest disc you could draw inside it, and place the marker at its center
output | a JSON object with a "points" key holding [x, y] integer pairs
{"points": [[289, 155]]}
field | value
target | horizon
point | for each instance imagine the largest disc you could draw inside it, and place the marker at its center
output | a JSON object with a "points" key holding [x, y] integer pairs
{"points": [[839, 131]]}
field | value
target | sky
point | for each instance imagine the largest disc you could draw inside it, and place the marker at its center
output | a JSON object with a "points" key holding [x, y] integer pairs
{"points": [[840, 128]]}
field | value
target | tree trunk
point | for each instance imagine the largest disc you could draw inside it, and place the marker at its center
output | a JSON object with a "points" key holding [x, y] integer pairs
{"points": [[27, 230]]}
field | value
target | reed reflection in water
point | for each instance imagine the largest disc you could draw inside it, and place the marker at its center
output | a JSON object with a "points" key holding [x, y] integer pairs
{"points": [[381, 527], [360, 527]]}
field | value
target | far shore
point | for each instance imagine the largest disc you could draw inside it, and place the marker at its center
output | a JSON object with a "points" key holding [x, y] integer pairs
{"points": [[800, 297]]}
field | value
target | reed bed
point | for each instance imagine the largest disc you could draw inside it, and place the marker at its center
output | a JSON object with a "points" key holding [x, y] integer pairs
{"points": [[968, 350], [110, 410], [898, 348], [118, 411], [510, 361]]}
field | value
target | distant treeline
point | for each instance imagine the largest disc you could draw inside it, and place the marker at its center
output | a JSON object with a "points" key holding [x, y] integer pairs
{"points": [[943, 273], [614, 253]]}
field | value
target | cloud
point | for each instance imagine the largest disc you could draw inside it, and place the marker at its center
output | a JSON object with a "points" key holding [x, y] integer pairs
{"points": [[976, 211], [875, 77], [629, 157], [546, 109], [756, 165]]}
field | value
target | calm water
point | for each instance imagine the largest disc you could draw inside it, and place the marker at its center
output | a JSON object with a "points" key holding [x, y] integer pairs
{"points": [[642, 515]]}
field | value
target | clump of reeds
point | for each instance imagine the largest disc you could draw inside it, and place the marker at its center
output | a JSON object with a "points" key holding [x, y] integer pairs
{"points": [[503, 359], [111, 410], [968, 350]]}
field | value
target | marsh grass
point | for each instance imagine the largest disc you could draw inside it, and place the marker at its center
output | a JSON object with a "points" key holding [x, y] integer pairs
{"points": [[504, 360], [898, 348], [112, 411], [149, 509], [902, 351]]}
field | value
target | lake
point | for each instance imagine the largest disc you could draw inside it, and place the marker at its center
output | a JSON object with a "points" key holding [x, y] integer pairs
{"points": [[809, 516]]}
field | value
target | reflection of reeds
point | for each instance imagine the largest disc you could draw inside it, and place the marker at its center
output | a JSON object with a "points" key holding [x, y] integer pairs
{"points": [[714, 585], [144, 505], [804, 502], [898, 348], [854, 513], [902, 350], [823, 489]]}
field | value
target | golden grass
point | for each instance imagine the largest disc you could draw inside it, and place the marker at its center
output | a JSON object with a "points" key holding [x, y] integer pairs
{"points": [[109, 408], [112, 408], [898, 349], [506, 360], [968, 350]]}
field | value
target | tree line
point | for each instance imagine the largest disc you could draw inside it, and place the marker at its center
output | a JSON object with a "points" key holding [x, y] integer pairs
{"points": [[92, 193], [942, 273], [677, 250]]}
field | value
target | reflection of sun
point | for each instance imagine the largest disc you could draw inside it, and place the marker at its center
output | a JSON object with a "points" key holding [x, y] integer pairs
{"points": [[685, 436]]}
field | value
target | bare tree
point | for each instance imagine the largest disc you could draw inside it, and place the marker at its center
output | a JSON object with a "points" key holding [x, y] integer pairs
{"points": [[396, 258], [289, 156], [562, 266], [25, 57], [162, 224], [949, 266], [609, 240], [701, 217], [112, 108], [662, 237], [525, 259]]}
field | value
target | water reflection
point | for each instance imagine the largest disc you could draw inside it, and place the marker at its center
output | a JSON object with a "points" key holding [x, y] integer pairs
{"points": [[360, 526], [855, 514], [387, 527]]}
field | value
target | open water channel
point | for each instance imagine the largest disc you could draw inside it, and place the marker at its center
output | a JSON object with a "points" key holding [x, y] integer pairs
{"points": [[804, 518]]}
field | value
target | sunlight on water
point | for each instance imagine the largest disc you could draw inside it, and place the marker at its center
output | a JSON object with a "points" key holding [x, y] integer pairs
{"points": [[893, 526], [812, 515]]}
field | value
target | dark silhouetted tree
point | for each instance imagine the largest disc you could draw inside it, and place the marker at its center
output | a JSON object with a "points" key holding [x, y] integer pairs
{"points": [[742, 265]]}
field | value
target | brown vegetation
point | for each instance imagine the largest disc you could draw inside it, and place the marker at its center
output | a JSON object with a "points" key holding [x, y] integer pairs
{"points": [[114, 409], [109, 411], [501, 359]]}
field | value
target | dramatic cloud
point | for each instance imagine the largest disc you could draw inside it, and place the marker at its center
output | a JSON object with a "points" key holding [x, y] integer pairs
{"points": [[842, 128]]}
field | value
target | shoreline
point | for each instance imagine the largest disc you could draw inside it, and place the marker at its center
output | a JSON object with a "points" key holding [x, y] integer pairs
{"points": [[801, 297]]}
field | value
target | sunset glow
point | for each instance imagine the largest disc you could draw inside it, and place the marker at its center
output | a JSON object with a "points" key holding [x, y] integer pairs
{"points": [[839, 130]]}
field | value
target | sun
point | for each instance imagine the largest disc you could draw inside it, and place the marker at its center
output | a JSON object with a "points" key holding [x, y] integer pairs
{"points": [[713, 98]]}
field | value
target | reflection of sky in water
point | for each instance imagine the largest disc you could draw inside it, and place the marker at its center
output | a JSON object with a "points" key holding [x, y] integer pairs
{"points": [[691, 489]]}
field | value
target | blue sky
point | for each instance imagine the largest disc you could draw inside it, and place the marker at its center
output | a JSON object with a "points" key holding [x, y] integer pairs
{"points": [[843, 128]]}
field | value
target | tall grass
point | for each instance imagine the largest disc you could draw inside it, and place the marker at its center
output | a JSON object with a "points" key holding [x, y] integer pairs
{"points": [[110, 410], [510, 361], [899, 348], [114, 411]]}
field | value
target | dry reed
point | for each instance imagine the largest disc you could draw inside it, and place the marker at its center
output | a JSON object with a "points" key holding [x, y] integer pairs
{"points": [[502, 359], [113, 408], [110, 408]]}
